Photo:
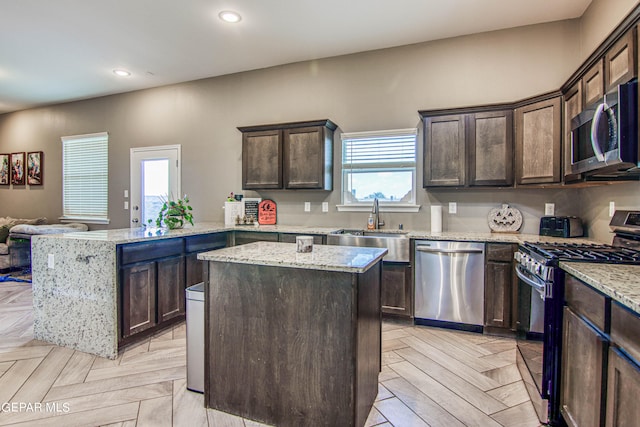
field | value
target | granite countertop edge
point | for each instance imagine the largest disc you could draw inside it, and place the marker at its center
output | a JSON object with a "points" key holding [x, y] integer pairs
{"points": [[322, 257], [618, 281]]}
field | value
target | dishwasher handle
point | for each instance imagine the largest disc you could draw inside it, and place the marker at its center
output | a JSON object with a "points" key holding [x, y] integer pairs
{"points": [[429, 249]]}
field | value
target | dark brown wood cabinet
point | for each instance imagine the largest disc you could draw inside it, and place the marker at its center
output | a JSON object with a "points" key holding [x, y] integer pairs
{"points": [[473, 148], [396, 289], [620, 61], [584, 355], [623, 389], [444, 151], [153, 277], [500, 287], [288, 155], [593, 84], [623, 379], [538, 141], [583, 358], [262, 160], [572, 107], [318, 239], [170, 285], [138, 298], [244, 237], [490, 148]]}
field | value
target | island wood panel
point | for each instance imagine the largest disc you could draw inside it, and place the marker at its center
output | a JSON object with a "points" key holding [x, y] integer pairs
{"points": [[308, 158], [593, 82], [138, 298], [620, 61], [262, 159], [538, 139], [572, 107], [444, 151], [491, 148], [292, 347]]}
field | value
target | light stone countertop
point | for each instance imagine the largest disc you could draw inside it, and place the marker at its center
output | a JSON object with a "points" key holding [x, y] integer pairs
{"points": [[323, 257], [132, 235], [620, 282]]}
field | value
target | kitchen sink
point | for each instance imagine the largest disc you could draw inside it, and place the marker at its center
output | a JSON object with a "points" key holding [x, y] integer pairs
{"points": [[397, 243]]}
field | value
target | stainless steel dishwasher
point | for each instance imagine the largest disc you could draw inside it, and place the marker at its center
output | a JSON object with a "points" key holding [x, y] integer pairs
{"points": [[449, 284]]}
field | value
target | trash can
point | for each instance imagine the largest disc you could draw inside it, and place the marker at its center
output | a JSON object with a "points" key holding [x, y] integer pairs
{"points": [[195, 337]]}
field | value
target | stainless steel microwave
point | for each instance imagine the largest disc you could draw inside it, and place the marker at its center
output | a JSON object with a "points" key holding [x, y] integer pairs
{"points": [[604, 137]]}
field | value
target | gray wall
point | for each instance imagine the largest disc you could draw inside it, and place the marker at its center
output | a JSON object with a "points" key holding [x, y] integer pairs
{"points": [[367, 91]]}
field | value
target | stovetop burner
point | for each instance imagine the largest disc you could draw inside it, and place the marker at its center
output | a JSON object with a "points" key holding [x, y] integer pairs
{"points": [[586, 252]]}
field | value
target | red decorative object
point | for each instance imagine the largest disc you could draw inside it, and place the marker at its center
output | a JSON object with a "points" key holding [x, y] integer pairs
{"points": [[267, 212]]}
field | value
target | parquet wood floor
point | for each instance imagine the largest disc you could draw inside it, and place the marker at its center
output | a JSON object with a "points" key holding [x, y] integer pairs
{"points": [[430, 377]]}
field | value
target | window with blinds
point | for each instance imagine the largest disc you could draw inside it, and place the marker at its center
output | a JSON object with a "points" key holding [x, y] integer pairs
{"points": [[380, 165], [85, 177]]}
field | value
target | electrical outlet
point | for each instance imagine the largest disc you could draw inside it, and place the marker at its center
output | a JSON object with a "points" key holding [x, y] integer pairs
{"points": [[453, 207], [126, 205], [549, 209], [126, 194], [307, 206], [612, 208], [50, 260], [325, 206]]}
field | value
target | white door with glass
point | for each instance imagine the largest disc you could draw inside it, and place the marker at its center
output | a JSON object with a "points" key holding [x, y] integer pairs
{"points": [[155, 177]]}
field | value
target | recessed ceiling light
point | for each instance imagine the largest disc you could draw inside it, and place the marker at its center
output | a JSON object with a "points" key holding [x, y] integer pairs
{"points": [[230, 16], [122, 73]]}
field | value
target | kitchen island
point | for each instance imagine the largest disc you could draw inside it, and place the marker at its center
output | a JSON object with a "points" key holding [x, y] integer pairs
{"points": [[293, 338]]}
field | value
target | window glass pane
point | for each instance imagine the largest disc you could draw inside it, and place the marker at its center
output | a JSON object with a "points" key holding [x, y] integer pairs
{"points": [[389, 186], [379, 164], [155, 176]]}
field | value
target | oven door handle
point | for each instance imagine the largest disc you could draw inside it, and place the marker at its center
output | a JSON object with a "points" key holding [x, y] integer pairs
{"points": [[538, 286]]}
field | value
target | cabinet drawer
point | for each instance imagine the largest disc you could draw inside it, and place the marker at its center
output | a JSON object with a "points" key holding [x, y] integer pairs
{"points": [[244, 237], [625, 330], [137, 252], [291, 238], [587, 302], [205, 242], [499, 252]]}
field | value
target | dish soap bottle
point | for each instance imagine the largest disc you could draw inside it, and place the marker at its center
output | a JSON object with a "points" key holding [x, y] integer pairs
{"points": [[370, 224]]}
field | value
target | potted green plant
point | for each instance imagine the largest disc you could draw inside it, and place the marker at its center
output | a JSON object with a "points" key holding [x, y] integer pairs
{"points": [[175, 213]]}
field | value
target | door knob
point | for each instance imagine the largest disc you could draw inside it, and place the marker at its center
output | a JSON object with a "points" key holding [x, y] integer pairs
{"points": [[134, 220]]}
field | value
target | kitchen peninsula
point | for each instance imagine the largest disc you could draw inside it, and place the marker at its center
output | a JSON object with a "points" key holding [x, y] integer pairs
{"points": [[293, 338]]}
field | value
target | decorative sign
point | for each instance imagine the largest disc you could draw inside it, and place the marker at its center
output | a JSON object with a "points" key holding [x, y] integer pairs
{"points": [[267, 212], [251, 207], [505, 219]]}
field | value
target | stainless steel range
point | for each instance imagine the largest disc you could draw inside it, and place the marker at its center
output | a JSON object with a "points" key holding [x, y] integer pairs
{"points": [[541, 299]]}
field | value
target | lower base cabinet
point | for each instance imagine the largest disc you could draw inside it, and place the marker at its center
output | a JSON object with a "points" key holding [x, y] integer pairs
{"points": [[500, 286], [583, 358], [138, 298], [396, 289], [623, 389], [171, 295]]}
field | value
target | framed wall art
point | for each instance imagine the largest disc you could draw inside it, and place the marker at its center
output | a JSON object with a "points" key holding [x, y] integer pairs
{"points": [[34, 167], [17, 168], [5, 169]]}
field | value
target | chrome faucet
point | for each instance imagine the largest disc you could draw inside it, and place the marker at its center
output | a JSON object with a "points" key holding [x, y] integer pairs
{"points": [[377, 222]]}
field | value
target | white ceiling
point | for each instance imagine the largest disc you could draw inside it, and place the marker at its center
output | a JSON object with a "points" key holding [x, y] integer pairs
{"points": [[64, 50]]}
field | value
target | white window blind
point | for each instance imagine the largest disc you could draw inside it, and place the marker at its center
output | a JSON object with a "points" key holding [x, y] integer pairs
{"points": [[380, 164], [85, 173]]}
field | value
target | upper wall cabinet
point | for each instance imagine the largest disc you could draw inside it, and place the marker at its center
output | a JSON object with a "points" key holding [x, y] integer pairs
{"points": [[444, 151], [593, 84], [468, 149], [572, 107], [288, 155], [538, 139], [620, 60], [490, 146]]}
